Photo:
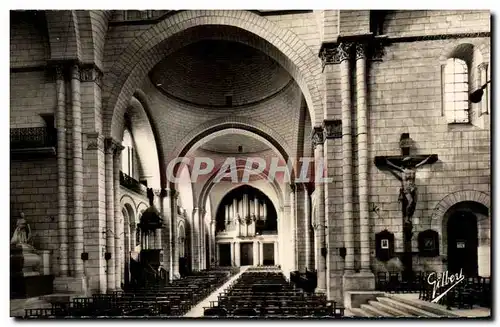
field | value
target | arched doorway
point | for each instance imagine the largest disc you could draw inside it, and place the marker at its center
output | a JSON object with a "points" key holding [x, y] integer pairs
{"points": [[181, 243], [466, 239], [462, 243]]}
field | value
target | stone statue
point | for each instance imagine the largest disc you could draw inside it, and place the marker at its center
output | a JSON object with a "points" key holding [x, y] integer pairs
{"points": [[23, 257], [408, 191], [22, 233]]}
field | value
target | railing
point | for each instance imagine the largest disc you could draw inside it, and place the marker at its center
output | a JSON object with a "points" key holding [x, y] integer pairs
{"points": [[469, 292], [33, 137], [132, 184], [121, 16]]}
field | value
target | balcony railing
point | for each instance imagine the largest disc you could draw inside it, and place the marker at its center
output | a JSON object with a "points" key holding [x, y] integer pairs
{"points": [[132, 184], [33, 140]]}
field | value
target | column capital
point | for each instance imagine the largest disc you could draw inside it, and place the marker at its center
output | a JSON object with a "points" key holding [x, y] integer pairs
{"points": [[317, 226], [95, 141], [483, 66], [90, 73], [361, 50], [317, 136], [344, 50], [164, 193], [112, 146], [59, 70], [332, 128], [75, 71], [365, 45]]}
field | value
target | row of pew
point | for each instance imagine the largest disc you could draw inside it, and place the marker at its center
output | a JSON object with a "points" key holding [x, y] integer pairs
{"points": [[267, 294], [393, 282], [171, 300]]}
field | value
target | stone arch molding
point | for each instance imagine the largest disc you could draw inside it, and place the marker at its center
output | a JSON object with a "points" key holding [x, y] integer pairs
{"points": [[481, 48], [140, 56], [208, 186], [453, 198], [128, 203], [238, 122], [181, 226]]}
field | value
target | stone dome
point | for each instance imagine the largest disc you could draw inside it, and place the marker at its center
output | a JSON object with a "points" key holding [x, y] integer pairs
{"points": [[218, 73]]}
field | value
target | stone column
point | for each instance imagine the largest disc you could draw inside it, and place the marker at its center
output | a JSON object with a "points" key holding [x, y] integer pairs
{"points": [[156, 235], [300, 227], [308, 237], [95, 212], [62, 214], [332, 129], [110, 214], [235, 217], [175, 256], [319, 234], [293, 228], [118, 217], [202, 240], [78, 239], [281, 233], [195, 234], [213, 248], [133, 235], [362, 137], [345, 80], [226, 215], [165, 233], [217, 253]]}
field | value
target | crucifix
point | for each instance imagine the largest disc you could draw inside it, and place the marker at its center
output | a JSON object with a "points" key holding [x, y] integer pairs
{"points": [[404, 168]]}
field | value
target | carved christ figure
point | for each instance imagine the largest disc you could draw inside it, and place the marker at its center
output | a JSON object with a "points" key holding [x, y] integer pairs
{"points": [[408, 191]]}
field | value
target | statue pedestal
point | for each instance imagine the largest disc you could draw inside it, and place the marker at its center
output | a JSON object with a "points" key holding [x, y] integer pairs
{"points": [[25, 278], [24, 260], [45, 268]]}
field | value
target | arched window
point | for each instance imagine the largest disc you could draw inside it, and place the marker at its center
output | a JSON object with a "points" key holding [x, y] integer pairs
{"points": [[456, 91], [128, 154]]}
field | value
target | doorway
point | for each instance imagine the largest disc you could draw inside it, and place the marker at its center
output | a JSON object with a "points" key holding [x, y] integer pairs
{"points": [[463, 243], [268, 255], [246, 254], [224, 254]]}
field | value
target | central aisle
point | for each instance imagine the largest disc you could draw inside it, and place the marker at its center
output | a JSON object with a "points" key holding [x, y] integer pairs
{"points": [[198, 310]]}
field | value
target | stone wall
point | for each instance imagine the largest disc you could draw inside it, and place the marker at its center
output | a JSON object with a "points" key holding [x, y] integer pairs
{"points": [[405, 97], [33, 191]]}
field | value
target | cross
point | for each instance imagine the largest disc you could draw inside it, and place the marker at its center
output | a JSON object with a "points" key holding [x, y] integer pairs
{"points": [[404, 168]]}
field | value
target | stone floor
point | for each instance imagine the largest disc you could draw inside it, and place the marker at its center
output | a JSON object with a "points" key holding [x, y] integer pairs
{"points": [[474, 312], [17, 306]]}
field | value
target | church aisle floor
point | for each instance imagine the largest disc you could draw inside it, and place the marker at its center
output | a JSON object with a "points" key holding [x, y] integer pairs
{"points": [[198, 310]]}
